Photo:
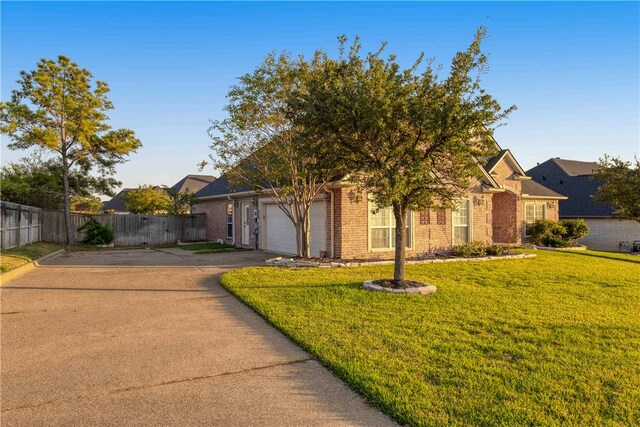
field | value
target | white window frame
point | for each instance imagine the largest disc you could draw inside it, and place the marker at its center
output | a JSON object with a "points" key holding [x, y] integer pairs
{"points": [[527, 222], [230, 216], [390, 227], [469, 224]]}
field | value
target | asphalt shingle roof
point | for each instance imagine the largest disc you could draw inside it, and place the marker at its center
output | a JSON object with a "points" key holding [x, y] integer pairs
{"points": [[533, 188], [116, 203], [576, 167], [193, 183]]}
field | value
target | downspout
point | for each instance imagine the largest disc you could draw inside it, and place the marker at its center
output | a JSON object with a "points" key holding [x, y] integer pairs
{"points": [[331, 221], [233, 221]]}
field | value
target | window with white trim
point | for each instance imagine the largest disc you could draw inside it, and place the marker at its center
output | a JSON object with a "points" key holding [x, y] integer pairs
{"points": [[532, 213], [382, 228], [230, 220], [461, 219]]}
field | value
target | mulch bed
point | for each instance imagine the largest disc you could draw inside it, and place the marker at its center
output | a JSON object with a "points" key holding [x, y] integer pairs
{"points": [[398, 284]]}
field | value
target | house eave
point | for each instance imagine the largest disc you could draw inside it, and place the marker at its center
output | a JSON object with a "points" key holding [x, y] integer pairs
{"points": [[529, 196]]}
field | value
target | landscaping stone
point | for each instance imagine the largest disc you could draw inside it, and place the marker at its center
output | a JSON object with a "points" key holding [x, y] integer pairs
{"points": [[422, 290], [290, 262]]}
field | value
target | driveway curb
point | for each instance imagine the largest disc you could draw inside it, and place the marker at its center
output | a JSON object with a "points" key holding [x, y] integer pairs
{"points": [[25, 268]]}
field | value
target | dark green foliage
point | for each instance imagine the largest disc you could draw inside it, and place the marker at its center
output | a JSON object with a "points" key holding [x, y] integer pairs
{"points": [[414, 136], [97, 233], [621, 186], [473, 249], [495, 250], [575, 229], [36, 182], [545, 232]]}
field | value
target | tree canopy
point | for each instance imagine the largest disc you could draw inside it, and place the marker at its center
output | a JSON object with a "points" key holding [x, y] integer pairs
{"points": [[60, 110], [413, 139], [148, 200], [180, 203], [260, 147], [36, 182], [620, 186]]}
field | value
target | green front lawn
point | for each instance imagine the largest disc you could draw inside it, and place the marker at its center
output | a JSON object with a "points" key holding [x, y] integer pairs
{"points": [[541, 341], [209, 248], [16, 257]]}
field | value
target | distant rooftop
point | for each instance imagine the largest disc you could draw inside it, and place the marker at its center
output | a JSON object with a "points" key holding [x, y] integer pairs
{"points": [[193, 183], [576, 167]]}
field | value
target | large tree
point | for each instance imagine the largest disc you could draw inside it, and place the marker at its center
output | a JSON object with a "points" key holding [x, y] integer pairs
{"points": [[412, 138], [620, 186], [260, 148], [148, 200], [59, 109], [36, 182]]}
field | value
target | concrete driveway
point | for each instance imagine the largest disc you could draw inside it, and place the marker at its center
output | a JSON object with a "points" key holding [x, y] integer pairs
{"points": [[148, 337]]}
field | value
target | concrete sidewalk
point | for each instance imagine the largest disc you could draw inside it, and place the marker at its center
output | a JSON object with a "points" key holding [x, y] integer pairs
{"points": [[90, 340]]}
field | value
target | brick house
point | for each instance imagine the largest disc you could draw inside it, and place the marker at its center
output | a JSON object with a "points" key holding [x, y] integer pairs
{"points": [[343, 224], [573, 179]]}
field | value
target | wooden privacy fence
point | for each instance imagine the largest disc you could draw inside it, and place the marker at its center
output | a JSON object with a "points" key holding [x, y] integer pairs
{"points": [[20, 225], [130, 229]]}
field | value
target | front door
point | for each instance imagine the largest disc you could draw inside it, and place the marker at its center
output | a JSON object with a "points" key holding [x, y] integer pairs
{"points": [[246, 218]]}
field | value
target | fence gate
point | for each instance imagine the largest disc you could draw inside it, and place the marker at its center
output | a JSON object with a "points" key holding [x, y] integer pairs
{"points": [[20, 225]]}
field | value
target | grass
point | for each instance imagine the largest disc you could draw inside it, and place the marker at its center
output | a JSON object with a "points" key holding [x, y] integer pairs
{"points": [[541, 341], [16, 257], [210, 248]]}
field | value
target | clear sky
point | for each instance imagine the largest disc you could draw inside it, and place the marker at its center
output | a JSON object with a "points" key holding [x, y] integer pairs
{"points": [[571, 68]]}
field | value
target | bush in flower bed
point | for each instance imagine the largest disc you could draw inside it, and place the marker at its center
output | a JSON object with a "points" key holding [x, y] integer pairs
{"points": [[545, 232], [469, 249]]}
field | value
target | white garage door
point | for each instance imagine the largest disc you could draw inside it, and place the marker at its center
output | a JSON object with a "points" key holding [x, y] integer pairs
{"points": [[281, 235]]}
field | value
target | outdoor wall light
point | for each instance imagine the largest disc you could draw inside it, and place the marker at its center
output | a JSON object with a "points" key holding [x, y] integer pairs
{"points": [[353, 197]]}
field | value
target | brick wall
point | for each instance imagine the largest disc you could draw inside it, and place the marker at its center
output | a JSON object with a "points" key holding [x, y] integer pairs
{"points": [[216, 211], [432, 230], [605, 234]]}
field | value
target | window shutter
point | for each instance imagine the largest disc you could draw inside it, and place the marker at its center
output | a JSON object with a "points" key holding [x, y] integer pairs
{"points": [[425, 217], [442, 217]]}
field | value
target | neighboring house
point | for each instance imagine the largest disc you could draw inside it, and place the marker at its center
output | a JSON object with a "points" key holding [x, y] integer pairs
{"points": [[343, 224], [192, 183], [573, 179], [117, 203]]}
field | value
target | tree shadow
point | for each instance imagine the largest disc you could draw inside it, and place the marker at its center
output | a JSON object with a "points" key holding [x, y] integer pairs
{"points": [[633, 261]]}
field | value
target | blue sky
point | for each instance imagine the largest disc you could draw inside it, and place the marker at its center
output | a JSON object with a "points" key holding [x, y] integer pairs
{"points": [[572, 69]]}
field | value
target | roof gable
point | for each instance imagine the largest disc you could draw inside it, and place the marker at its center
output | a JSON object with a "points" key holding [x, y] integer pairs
{"points": [[193, 183]]}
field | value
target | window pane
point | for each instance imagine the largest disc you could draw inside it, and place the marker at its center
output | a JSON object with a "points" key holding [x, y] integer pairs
{"points": [[540, 212], [529, 213], [461, 215], [379, 238], [379, 219], [460, 235]]}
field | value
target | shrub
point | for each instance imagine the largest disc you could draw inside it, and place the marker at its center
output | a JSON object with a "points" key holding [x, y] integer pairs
{"points": [[495, 250], [470, 249], [576, 228], [545, 232], [97, 233]]}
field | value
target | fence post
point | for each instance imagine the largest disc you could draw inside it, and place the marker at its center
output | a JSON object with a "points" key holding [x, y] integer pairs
{"points": [[19, 223]]}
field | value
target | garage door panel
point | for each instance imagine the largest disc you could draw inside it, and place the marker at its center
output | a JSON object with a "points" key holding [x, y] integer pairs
{"points": [[281, 234]]}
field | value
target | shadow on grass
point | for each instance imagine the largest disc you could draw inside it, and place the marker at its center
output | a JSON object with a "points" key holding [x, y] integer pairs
{"points": [[342, 285], [633, 261]]}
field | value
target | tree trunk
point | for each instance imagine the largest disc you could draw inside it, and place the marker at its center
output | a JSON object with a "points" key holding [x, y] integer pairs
{"points": [[400, 213], [67, 202], [298, 226], [306, 234]]}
